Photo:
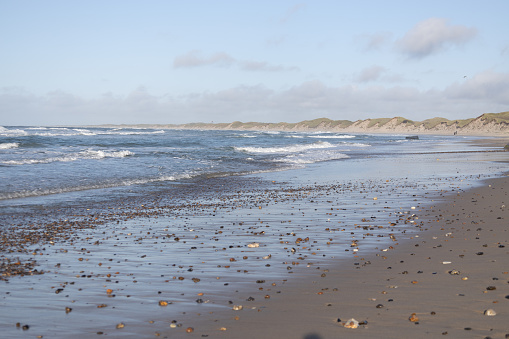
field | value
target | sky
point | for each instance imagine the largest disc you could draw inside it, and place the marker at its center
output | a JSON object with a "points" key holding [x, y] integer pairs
{"points": [[171, 62]]}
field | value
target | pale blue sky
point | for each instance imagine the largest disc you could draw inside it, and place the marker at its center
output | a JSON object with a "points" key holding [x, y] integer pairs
{"points": [[94, 62]]}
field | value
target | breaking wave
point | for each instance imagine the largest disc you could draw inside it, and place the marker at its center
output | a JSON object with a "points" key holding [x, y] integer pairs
{"points": [[9, 145], [285, 149]]}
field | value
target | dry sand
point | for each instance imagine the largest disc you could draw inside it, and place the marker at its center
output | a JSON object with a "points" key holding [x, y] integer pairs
{"points": [[448, 275]]}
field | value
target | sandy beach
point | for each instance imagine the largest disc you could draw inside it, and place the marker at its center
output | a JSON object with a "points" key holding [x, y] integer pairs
{"points": [[280, 261]]}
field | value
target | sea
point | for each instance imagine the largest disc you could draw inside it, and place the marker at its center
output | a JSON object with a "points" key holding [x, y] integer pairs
{"points": [[41, 166]]}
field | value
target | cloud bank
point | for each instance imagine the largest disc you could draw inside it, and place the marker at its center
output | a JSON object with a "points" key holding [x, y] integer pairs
{"points": [[485, 92]]}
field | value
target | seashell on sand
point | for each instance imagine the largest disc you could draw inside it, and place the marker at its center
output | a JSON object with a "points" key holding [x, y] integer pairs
{"points": [[351, 323], [490, 312]]}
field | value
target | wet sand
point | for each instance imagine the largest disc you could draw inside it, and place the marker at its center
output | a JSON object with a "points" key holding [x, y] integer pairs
{"points": [[375, 251], [447, 275]]}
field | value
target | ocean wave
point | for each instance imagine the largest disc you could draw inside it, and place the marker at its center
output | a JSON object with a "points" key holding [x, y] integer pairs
{"points": [[312, 157], [345, 136], [285, 149], [5, 132], [9, 145], [65, 131], [84, 155]]}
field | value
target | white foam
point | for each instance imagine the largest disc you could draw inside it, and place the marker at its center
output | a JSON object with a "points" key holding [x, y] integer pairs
{"points": [[12, 132], [9, 145], [285, 149], [88, 154], [332, 136], [313, 157]]}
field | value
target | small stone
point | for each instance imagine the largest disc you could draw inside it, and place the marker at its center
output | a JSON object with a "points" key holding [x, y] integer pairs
{"points": [[120, 325], [68, 310], [490, 312], [163, 303], [223, 329], [379, 306], [454, 272], [25, 327], [491, 288], [413, 318], [189, 330], [237, 307]]}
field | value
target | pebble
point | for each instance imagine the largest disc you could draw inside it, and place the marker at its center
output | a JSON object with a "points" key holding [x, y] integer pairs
{"points": [[120, 325], [490, 312], [413, 318], [237, 307], [189, 330], [454, 272]]}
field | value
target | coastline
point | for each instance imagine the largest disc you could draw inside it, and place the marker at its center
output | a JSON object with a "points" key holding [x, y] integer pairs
{"points": [[294, 307]]}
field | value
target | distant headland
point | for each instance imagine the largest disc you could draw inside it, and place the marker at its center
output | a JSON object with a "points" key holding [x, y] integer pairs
{"points": [[486, 124]]}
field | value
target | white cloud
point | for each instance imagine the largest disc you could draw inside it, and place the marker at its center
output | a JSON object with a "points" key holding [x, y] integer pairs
{"points": [[194, 59], [372, 73], [433, 35], [291, 12], [375, 42], [264, 66], [487, 85]]}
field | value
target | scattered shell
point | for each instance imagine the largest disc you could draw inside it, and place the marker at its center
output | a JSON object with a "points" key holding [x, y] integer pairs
{"points": [[454, 272], [464, 278], [237, 307], [255, 244], [173, 325], [223, 329], [413, 318], [189, 330], [446, 262], [351, 323], [120, 325], [490, 312]]}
